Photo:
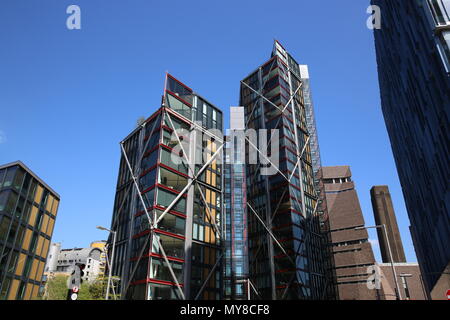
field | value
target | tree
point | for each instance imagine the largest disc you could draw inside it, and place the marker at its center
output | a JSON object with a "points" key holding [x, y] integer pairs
{"points": [[94, 290], [56, 288]]}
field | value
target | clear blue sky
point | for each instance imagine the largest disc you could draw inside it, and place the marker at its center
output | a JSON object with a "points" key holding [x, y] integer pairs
{"points": [[67, 97]]}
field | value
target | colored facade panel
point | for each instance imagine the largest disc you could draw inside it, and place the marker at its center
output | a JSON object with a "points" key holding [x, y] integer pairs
{"points": [[190, 230], [27, 207], [296, 269], [412, 54]]}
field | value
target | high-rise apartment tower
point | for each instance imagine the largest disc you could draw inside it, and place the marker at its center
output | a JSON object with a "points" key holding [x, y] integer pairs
{"points": [[168, 207], [287, 249], [413, 55]]}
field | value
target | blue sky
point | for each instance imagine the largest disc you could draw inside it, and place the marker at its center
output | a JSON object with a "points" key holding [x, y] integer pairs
{"points": [[67, 97]]}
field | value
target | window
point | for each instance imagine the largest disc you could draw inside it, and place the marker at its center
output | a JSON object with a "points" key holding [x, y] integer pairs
{"points": [[441, 11], [171, 223], [5, 287], [12, 232], [2, 175], [162, 292], [21, 291], [179, 89], [10, 173], [148, 180], [160, 271], [174, 161], [178, 106], [172, 180], [4, 226], [444, 48], [137, 292], [18, 179], [27, 268], [165, 198], [173, 247], [3, 199], [170, 139]]}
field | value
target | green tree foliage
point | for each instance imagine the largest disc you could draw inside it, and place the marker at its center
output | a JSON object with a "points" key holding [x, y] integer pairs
{"points": [[93, 291], [56, 288]]}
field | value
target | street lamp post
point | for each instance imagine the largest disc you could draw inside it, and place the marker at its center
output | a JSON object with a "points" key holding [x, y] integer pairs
{"points": [[383, 226], [112, 258]]}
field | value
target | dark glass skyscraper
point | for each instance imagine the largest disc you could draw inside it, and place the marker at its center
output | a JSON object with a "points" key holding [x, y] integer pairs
{"points": [[170, 175], [287, 250], [413, 55]]}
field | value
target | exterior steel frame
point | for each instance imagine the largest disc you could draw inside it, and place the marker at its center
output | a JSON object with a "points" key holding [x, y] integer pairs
{"points": [[300, 153], [153, 223]]}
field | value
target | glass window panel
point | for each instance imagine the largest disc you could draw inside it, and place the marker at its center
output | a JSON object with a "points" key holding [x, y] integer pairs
{"points": [[172, 160], [163, 292], [12, 232], [179, 89], [148, 180], [4, 227], [18, 179], [173, 247], [2, 175], [171, 223], [178, 106], [165, 198], [172, 180], [160, 271], [10, 174], [137, 292]]}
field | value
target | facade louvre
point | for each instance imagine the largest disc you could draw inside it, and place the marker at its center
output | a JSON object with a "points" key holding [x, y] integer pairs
{"points": [[287, 252], [28, 209], [182, 199], [412, 49]]}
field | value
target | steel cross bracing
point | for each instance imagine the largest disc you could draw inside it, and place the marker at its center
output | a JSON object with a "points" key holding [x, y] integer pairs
{"points": [[209, 214], [299, 161], [127, 194], [282, 110], [154, 225]]}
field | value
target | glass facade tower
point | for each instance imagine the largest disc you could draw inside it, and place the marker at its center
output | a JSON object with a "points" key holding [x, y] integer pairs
{"points": [[412, 49], [288, 253], [28, 209], [176, 166]]}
